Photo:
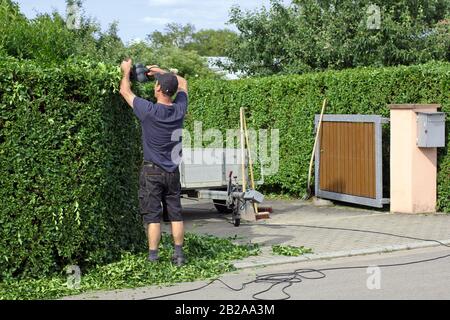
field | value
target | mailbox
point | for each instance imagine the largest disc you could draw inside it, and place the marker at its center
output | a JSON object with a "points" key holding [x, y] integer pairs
{"points": [[430, 129]]}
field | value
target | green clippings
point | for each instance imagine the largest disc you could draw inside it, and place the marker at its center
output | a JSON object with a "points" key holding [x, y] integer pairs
{"points": [[208, 257], [290, 250]]}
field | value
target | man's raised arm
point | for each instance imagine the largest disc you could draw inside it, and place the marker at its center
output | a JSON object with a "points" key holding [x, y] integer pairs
{"points": [[182, 82], [125, 83]]}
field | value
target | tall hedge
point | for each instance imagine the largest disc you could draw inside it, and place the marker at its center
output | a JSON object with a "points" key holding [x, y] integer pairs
{"points": [[70, 148], [68, 160], [289, 103]]}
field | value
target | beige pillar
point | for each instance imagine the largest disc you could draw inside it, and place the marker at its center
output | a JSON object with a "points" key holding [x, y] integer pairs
{"points": [[413, 169]]}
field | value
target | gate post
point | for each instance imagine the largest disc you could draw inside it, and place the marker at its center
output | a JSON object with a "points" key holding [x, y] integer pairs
{"points": [[413, 169]]}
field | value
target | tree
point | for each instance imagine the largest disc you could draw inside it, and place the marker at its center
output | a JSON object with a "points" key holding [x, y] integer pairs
{"points": [[314, 35], [48, 38], [188, 63], [140, 52], [182, 47], [109, 44], [212, 43], [174, 35], [206, 42]]}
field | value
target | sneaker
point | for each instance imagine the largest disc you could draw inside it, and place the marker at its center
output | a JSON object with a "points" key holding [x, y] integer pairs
{"points": [[178, 260]]}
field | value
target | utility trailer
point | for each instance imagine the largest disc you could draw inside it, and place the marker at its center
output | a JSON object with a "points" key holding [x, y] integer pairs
{"points": [[216, 174]]}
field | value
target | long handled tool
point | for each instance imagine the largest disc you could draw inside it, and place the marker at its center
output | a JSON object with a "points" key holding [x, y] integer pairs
{"points": [[308, 189], [259, 215], [244, 182], [250, 162], [246, 214]]}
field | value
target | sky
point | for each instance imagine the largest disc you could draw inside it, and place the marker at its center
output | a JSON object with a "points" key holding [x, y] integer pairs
{"points": [[138, 18]]}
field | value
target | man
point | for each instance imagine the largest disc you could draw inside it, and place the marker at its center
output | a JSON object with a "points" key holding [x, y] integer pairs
{"points": [[160, 176]]}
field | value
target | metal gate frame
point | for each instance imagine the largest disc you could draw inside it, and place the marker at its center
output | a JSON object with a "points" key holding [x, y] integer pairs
{"points": [[379, 201]]}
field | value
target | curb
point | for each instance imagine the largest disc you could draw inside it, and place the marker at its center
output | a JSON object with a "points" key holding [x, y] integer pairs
{"points": [[255, 262]]}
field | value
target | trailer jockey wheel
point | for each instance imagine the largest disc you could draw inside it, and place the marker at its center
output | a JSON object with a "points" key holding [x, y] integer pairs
{"points": [[232, 203], [236, 215]]}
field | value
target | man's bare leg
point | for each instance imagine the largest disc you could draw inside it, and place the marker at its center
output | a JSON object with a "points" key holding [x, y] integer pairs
{"points": [[154, 236], [178, 232]]}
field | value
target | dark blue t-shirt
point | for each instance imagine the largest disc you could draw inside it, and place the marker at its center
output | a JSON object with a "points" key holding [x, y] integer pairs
{"points": [[162, 130]]}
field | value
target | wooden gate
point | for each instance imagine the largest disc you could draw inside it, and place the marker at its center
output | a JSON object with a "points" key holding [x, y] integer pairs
{"points": [[349, 159]]}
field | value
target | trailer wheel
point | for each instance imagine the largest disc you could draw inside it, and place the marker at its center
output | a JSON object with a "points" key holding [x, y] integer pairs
{"points": [[221, 206], [237, 222]]}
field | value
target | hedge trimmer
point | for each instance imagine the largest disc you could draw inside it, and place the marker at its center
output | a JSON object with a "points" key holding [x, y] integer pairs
{"points": [[139, 73]]}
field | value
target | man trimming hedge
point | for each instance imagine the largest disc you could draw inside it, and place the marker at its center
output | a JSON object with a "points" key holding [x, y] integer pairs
{"points": [[159, 179]]}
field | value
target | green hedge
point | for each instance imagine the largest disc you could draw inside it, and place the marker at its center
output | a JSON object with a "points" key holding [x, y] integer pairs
{"points": [[289, 103], [70, 148], [68, 157]]}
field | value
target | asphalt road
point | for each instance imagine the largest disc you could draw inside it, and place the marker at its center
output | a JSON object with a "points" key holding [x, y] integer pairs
{"points": [[428, 280]]}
